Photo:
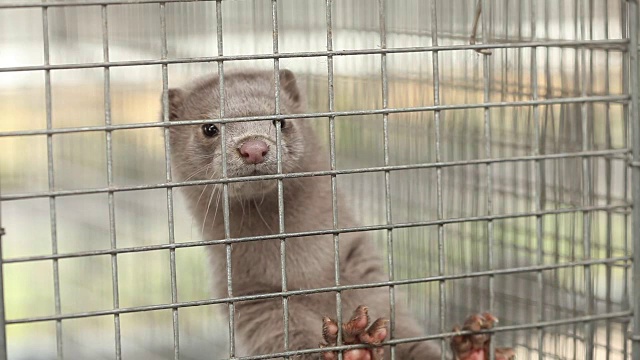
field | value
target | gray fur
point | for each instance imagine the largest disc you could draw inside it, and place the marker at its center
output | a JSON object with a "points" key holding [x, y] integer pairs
{"points": [[254, 211]]}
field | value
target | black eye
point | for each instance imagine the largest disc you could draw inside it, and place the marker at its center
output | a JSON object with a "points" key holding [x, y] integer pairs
{"points": [[210, 130], [283, 123]]}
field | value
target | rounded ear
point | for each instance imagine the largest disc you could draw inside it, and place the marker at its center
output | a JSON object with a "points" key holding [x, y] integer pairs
{"points": [[176, 97], [289, 84]]}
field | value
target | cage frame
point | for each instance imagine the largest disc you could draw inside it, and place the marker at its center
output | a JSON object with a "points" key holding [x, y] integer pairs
{"points": [[628, 44]]}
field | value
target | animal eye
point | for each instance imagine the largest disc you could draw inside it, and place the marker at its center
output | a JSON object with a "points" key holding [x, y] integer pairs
{"points": [[283, 123], [210, 130]]}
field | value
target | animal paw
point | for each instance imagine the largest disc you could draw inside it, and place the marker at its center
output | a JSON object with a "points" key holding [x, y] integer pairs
{"points": [[476, 346], [355, 331]]}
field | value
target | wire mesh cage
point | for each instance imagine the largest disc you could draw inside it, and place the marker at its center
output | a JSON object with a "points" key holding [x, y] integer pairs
{"points": [[488, 148]]}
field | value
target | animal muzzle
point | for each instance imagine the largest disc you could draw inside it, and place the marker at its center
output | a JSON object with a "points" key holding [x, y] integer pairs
{"points": [[253, 151]]}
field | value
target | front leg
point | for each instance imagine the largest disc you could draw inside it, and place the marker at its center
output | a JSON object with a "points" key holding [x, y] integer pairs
{"points": [[358, 331]]}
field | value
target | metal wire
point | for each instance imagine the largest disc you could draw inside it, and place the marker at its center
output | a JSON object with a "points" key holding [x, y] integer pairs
{"points": [[167, 154], [538, 191], [634, 119], [387, 174], [276, 295], [3, 330], [292, 175], [608, 185], [585, 255], [626, 84], [110, 194], [619, 45], [602, 98], [586, 191], [397, 225], [547, 324], [541, 192], [30, 4], [225, 186], [440, 210], [51, 175], [281, 228], [333, 165], [487, 79]]}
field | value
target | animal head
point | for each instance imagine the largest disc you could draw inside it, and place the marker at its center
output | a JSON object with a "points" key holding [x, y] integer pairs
{"points": [[250, 146]]}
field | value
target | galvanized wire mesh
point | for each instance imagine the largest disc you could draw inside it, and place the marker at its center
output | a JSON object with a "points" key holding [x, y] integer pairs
{"points": [[498, 176]]}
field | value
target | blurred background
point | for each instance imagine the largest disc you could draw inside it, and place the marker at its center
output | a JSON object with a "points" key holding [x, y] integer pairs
{"points": [[131, 94]]}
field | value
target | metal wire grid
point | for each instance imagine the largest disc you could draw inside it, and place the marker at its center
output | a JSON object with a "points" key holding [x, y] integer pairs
{"points": [[634, 118], [630, 101]]}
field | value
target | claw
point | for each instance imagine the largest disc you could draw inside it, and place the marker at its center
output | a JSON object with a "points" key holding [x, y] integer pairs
{"points": [[329, 330], [356, 325], [356, 331], [376, 333], [476, 346]]}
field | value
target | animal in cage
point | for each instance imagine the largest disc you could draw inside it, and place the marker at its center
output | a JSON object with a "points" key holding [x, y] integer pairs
{"points": [[259, 208], [487, 148]]}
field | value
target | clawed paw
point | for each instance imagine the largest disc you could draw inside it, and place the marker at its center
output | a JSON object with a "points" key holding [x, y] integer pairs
{"points": [[355, 331], [476, 346]]}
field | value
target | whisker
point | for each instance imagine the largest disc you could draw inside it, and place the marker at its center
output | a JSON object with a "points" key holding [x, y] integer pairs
{"points": [[241, 198], [204, 189], [212, 156], [215, 213], [198, 203], [204, 220], [262, 217], [197, 172]]}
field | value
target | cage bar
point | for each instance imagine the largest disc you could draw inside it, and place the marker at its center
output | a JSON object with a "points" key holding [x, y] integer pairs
{"points": [[586, 257], [621, 208], [608, 186], [569, 100], [539, 178], [333, 166], [619, 44], [626, 140], [382, 5], [110, 194], [278, 125], [167, 151], [438, 158], [586, 189], [51, 175], [3, 317], [486, 80], [225, 186], [634, 120]]}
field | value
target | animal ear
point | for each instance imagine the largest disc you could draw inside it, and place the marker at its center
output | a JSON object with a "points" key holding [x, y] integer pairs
{"points": [[289, 84], [176, 97]]}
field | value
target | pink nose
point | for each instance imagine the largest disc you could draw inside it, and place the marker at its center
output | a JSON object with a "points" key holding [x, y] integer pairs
{"points": [[253, 151]]}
